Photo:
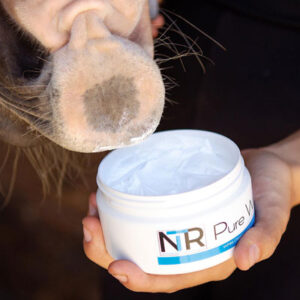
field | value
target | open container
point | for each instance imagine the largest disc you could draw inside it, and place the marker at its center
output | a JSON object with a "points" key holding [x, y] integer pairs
{"points": [[176, 233]]}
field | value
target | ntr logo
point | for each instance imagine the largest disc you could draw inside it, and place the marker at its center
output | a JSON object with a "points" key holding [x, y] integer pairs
{"points": [[181, 240]]}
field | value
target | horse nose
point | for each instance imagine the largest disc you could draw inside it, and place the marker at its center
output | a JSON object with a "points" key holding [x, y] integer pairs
{"points": [[110, 91]]}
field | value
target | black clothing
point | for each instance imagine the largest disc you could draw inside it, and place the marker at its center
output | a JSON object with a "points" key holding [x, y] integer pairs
{"points": [[285, 12], [251, 95]]}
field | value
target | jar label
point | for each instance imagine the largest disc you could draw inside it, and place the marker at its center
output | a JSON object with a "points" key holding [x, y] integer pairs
{"points": [[191, 244]]}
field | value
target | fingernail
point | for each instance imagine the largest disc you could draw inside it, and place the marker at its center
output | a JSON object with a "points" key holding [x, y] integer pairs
{"points": [[253, 255], [87, 235], [92, 211], [121, 278]]}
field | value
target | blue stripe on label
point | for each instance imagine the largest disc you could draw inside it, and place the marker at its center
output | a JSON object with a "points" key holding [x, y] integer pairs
{"points": [[176, 260], [178, 242], [178, 231]]}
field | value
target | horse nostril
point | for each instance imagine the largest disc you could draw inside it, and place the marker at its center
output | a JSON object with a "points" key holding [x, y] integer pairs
{"points": [[87, 27], [112, 104], [87, 12]]}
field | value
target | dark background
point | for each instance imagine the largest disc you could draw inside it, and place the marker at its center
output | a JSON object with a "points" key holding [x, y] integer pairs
{"points": [[250, 94]]}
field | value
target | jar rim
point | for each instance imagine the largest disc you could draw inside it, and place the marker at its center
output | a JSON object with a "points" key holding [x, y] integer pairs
{"points": [[197, 194]]}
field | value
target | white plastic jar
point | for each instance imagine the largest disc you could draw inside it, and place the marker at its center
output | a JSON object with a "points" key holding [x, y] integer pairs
{"points": [[176, 233]]}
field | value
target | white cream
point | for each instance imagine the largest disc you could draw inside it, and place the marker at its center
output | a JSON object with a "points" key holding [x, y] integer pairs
{"points": [[175, 164]]}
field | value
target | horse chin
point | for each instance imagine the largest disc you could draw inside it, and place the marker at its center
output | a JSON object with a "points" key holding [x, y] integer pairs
{"points": [[104, 95]]}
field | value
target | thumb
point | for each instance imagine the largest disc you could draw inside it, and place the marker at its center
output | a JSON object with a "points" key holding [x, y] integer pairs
{"points": [[271, 190]]}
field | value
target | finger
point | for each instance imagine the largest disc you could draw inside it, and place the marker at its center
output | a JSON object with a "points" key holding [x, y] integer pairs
{"points": [[93, 210], [154, 32], [93, 243], [158, 22], [133, 278], [272, 204]]}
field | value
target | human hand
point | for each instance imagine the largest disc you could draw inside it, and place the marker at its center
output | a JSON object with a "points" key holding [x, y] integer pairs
{"points": [[272, 192], [271, 178], [129, 274]]}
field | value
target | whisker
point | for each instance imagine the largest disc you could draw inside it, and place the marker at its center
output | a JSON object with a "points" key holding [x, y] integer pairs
{"points": [[187, 41], [28, 112], [12, 179], [164, 10]]}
